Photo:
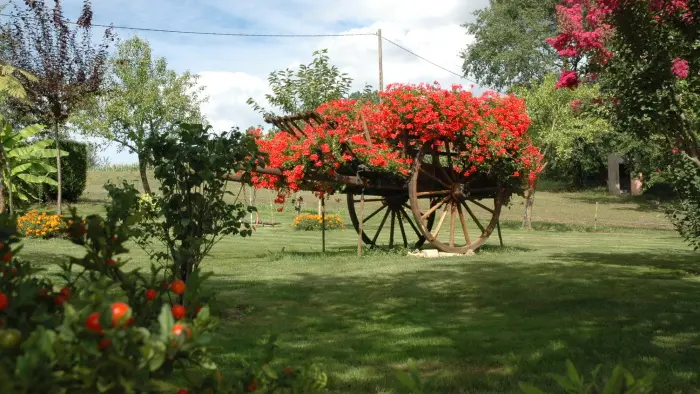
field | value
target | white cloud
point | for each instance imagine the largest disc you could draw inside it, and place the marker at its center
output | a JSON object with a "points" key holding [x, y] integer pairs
{"points": [[236, 68]]}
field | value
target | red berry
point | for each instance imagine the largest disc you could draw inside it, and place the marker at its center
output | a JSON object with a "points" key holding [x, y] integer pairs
{"points": [[197, 309], [178, 287], [164, 285], [252, 387], [114, 238], [59, 300], [288, 370], [179, 329], [179, 312], [151, 294], [4, 301], [183, 391], [65, 293], [7, 257], [104, 344], [120, 310], [92, 322], [111, 262]]}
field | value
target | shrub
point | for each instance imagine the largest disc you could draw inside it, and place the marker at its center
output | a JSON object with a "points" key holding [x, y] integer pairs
{"points": [[312, 222], [40, 224], [74, 168], [102, 328]]}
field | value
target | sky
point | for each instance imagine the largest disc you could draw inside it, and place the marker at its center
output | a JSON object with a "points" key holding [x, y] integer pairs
{"points": [[232, 69]]}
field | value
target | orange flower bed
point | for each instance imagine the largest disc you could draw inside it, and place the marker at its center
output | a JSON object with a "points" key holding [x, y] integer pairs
{"points": [[41, 224]]}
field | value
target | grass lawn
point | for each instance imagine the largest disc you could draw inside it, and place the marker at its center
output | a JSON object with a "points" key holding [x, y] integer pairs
{"points": [[478, 324]]}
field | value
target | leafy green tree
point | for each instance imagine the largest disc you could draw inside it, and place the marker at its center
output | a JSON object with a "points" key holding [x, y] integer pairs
{"points": [[304, 89], [142, 98], [366, 94], [191, 213], [646, 57], [68, 67], [561, 122], [509, 47]]}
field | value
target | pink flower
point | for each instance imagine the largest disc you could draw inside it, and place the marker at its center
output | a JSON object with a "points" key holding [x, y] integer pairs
{"points": [[568, 79], [680, 68]]}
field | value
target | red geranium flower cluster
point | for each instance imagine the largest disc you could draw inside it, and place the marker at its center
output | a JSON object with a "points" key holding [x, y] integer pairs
{"points": [[489, 133]]}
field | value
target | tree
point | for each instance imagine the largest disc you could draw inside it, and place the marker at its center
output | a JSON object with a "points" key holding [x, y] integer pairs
{"points": [[304, 89], [560, 123], [646, 58], [366, 94], [509, 47], [67, 65], [142, 98]]}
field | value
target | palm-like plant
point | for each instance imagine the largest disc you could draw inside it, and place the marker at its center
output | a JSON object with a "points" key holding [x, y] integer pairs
{"points": [[24, 165]]}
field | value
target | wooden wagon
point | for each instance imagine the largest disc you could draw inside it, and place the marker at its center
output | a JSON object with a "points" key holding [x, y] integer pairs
{"points": [[434, 203]]}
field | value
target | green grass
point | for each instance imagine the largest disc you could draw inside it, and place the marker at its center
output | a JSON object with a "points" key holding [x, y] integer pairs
{"points": [[477, 324]]}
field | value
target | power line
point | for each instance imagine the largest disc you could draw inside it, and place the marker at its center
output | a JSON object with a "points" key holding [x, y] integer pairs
{"points": [[205, 33], [429, 61]]}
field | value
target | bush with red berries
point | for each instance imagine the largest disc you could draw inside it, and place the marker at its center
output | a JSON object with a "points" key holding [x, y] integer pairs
{"points": [[102, 327]]}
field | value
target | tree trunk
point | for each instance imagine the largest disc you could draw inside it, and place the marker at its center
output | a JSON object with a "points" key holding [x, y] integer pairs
{"points": [[530, 201], [144, 174], [58, 168]]}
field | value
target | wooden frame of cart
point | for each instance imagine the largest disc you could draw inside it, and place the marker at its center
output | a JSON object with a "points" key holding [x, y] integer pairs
{"points": [[434, 203]]}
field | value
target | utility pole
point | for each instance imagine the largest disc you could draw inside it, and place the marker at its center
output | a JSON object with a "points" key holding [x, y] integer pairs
{"points": [[381, 67]]}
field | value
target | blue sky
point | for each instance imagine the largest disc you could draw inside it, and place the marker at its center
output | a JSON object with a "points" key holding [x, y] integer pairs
{"points": [[235, 68]]}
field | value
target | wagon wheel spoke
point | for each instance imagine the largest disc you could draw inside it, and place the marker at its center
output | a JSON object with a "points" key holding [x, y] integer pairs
{"points": [[370, 216], [408, 219], [436, 163], [403, 232], [463, 222], [442, 219], [480, 205], [391, 229], [434, 177], [452, 225], [469, 211], [433, 193], [381, 225], [434, 208]]}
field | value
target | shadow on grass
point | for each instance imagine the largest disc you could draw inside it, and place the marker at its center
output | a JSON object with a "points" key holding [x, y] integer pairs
{"points": [[478, 327], [631, 203]]}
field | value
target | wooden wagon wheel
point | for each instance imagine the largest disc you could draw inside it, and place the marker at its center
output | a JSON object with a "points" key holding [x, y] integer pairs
{"points": [[392, 209], [457, 201]]}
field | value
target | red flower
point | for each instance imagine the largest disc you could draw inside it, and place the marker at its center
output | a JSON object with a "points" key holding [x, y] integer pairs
{"points": [[516, 174], [568, 79], [680, 68]]}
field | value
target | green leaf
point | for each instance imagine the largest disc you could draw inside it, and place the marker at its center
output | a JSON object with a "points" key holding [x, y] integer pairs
{"points": [[166, 322], [529, 389], [30, 178], [573, 374]]}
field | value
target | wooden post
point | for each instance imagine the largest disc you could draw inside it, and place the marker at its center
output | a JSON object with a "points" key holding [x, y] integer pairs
{"points": [[362, 218], [323, 224], [381, 66], [595, 222]]}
